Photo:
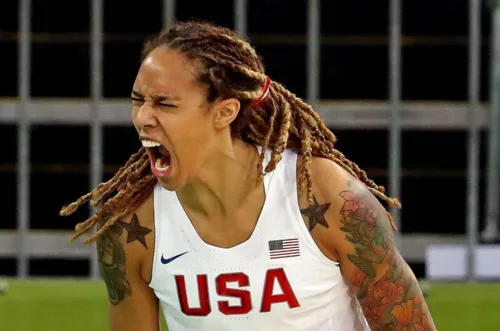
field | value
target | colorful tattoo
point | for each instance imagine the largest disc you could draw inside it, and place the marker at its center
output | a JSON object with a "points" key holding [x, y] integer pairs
{"points": [[316, 214], [111, 256], [135, 231], [384, 284]]}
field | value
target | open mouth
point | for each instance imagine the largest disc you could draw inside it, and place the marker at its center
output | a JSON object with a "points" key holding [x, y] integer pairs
{"points": [[159, 157]]}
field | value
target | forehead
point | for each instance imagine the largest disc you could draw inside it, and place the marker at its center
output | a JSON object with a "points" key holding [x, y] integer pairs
{"points": [[165, 71]]}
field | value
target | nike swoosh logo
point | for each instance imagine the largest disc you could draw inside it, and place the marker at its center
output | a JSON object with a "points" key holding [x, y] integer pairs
{"points": [[167, 261]]}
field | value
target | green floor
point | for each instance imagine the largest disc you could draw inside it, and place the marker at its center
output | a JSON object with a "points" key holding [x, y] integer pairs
{"points": [[81, 306]]}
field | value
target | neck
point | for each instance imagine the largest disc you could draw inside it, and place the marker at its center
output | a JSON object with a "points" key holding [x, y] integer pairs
{"points": [[225, 181]]}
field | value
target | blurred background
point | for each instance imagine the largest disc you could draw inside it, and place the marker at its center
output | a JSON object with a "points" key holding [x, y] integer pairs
{"points": [[410, 88]]}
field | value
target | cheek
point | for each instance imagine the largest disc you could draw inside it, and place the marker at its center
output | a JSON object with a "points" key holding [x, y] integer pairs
{"points": [[191, 138], [197, 137]]}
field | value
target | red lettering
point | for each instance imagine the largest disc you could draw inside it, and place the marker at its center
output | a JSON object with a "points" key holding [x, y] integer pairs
{"points": [[242, 280], [268, 298], [204, 308], [245, 299]]}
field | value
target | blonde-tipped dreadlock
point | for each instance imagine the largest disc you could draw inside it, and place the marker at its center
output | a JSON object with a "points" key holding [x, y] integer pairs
{"points": [[231, 68]]}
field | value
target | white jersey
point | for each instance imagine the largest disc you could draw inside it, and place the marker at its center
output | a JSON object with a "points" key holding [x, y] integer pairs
{"points": [[276, 280]]}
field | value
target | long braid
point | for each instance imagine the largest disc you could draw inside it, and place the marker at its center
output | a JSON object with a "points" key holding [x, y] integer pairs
{"points": [[230, 68]]}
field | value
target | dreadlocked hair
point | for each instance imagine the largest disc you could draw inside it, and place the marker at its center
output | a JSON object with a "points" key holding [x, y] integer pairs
{"points": [[230, 68]]}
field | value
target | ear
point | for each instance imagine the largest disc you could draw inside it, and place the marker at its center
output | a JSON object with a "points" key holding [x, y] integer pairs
{"points": [[225, 112]]}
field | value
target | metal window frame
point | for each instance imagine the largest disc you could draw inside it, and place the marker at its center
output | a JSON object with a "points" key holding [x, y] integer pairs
{"points": [[394, 114]]}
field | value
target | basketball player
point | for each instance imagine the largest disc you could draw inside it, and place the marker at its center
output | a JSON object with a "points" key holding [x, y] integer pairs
{"points": [[238, 213]]}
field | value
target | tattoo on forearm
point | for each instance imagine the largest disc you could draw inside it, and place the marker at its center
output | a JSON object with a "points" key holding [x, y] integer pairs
{"points": [[111, 256], [315, 213], [135, 231], [390, 295]]}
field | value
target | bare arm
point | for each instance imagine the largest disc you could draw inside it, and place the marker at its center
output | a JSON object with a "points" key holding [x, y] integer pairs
{"points": [[132, 303], [360, 234], [383, 282]]}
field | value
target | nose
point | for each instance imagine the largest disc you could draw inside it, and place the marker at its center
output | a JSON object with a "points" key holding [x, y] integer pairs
{"points": [[145, 116]]}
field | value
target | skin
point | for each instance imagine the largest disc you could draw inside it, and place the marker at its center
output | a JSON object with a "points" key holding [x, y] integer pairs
{"points": [[201, 154], [121, 252], [206, 162], [351, 226]]}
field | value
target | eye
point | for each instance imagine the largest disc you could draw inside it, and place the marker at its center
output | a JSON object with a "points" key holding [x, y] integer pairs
{"points": [[137, 101], [162, 104]]}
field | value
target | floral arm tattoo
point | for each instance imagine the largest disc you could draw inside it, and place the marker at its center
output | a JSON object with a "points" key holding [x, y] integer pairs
{"points": [[384, 284]]}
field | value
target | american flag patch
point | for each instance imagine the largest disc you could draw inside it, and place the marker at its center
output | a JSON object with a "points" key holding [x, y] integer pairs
{"points": [[279, 249]]}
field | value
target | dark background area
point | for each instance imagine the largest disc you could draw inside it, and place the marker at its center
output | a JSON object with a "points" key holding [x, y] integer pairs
{"points": [[354, 65]]}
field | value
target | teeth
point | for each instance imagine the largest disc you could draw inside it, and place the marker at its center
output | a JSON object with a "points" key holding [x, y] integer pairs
{"points": [[150, 143], [160, 166]]}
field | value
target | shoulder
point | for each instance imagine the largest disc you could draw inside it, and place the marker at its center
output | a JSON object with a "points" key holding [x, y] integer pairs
{"points": [[326, 175], [332, 181], [343, 207], [128, 243], [328, 180], [136, 224]]}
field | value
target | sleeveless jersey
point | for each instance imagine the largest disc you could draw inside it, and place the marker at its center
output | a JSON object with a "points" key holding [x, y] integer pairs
{"points": [[276, 280]]}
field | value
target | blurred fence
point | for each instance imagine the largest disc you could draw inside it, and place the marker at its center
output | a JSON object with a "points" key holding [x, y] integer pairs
{"points": [[394, 114]]}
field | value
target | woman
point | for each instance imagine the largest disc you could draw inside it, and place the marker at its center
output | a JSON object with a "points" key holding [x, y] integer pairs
{"points": [[238, 213]]}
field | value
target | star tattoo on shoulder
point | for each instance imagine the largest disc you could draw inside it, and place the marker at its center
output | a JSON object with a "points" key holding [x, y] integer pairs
{"points": [[135, 231], [316, 214]]}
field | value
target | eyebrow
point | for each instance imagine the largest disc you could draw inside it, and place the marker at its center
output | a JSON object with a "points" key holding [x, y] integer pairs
{"points": [[136, 94], [157, 97]]}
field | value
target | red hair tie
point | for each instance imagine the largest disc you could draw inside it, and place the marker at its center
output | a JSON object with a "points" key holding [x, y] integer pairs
{"points": [[265, 92]]}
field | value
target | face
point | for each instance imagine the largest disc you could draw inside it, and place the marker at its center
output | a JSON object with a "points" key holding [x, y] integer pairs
{"points": [[179, 129]]}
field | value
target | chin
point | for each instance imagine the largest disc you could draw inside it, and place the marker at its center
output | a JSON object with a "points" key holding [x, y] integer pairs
{"points": [[168, 184]]}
